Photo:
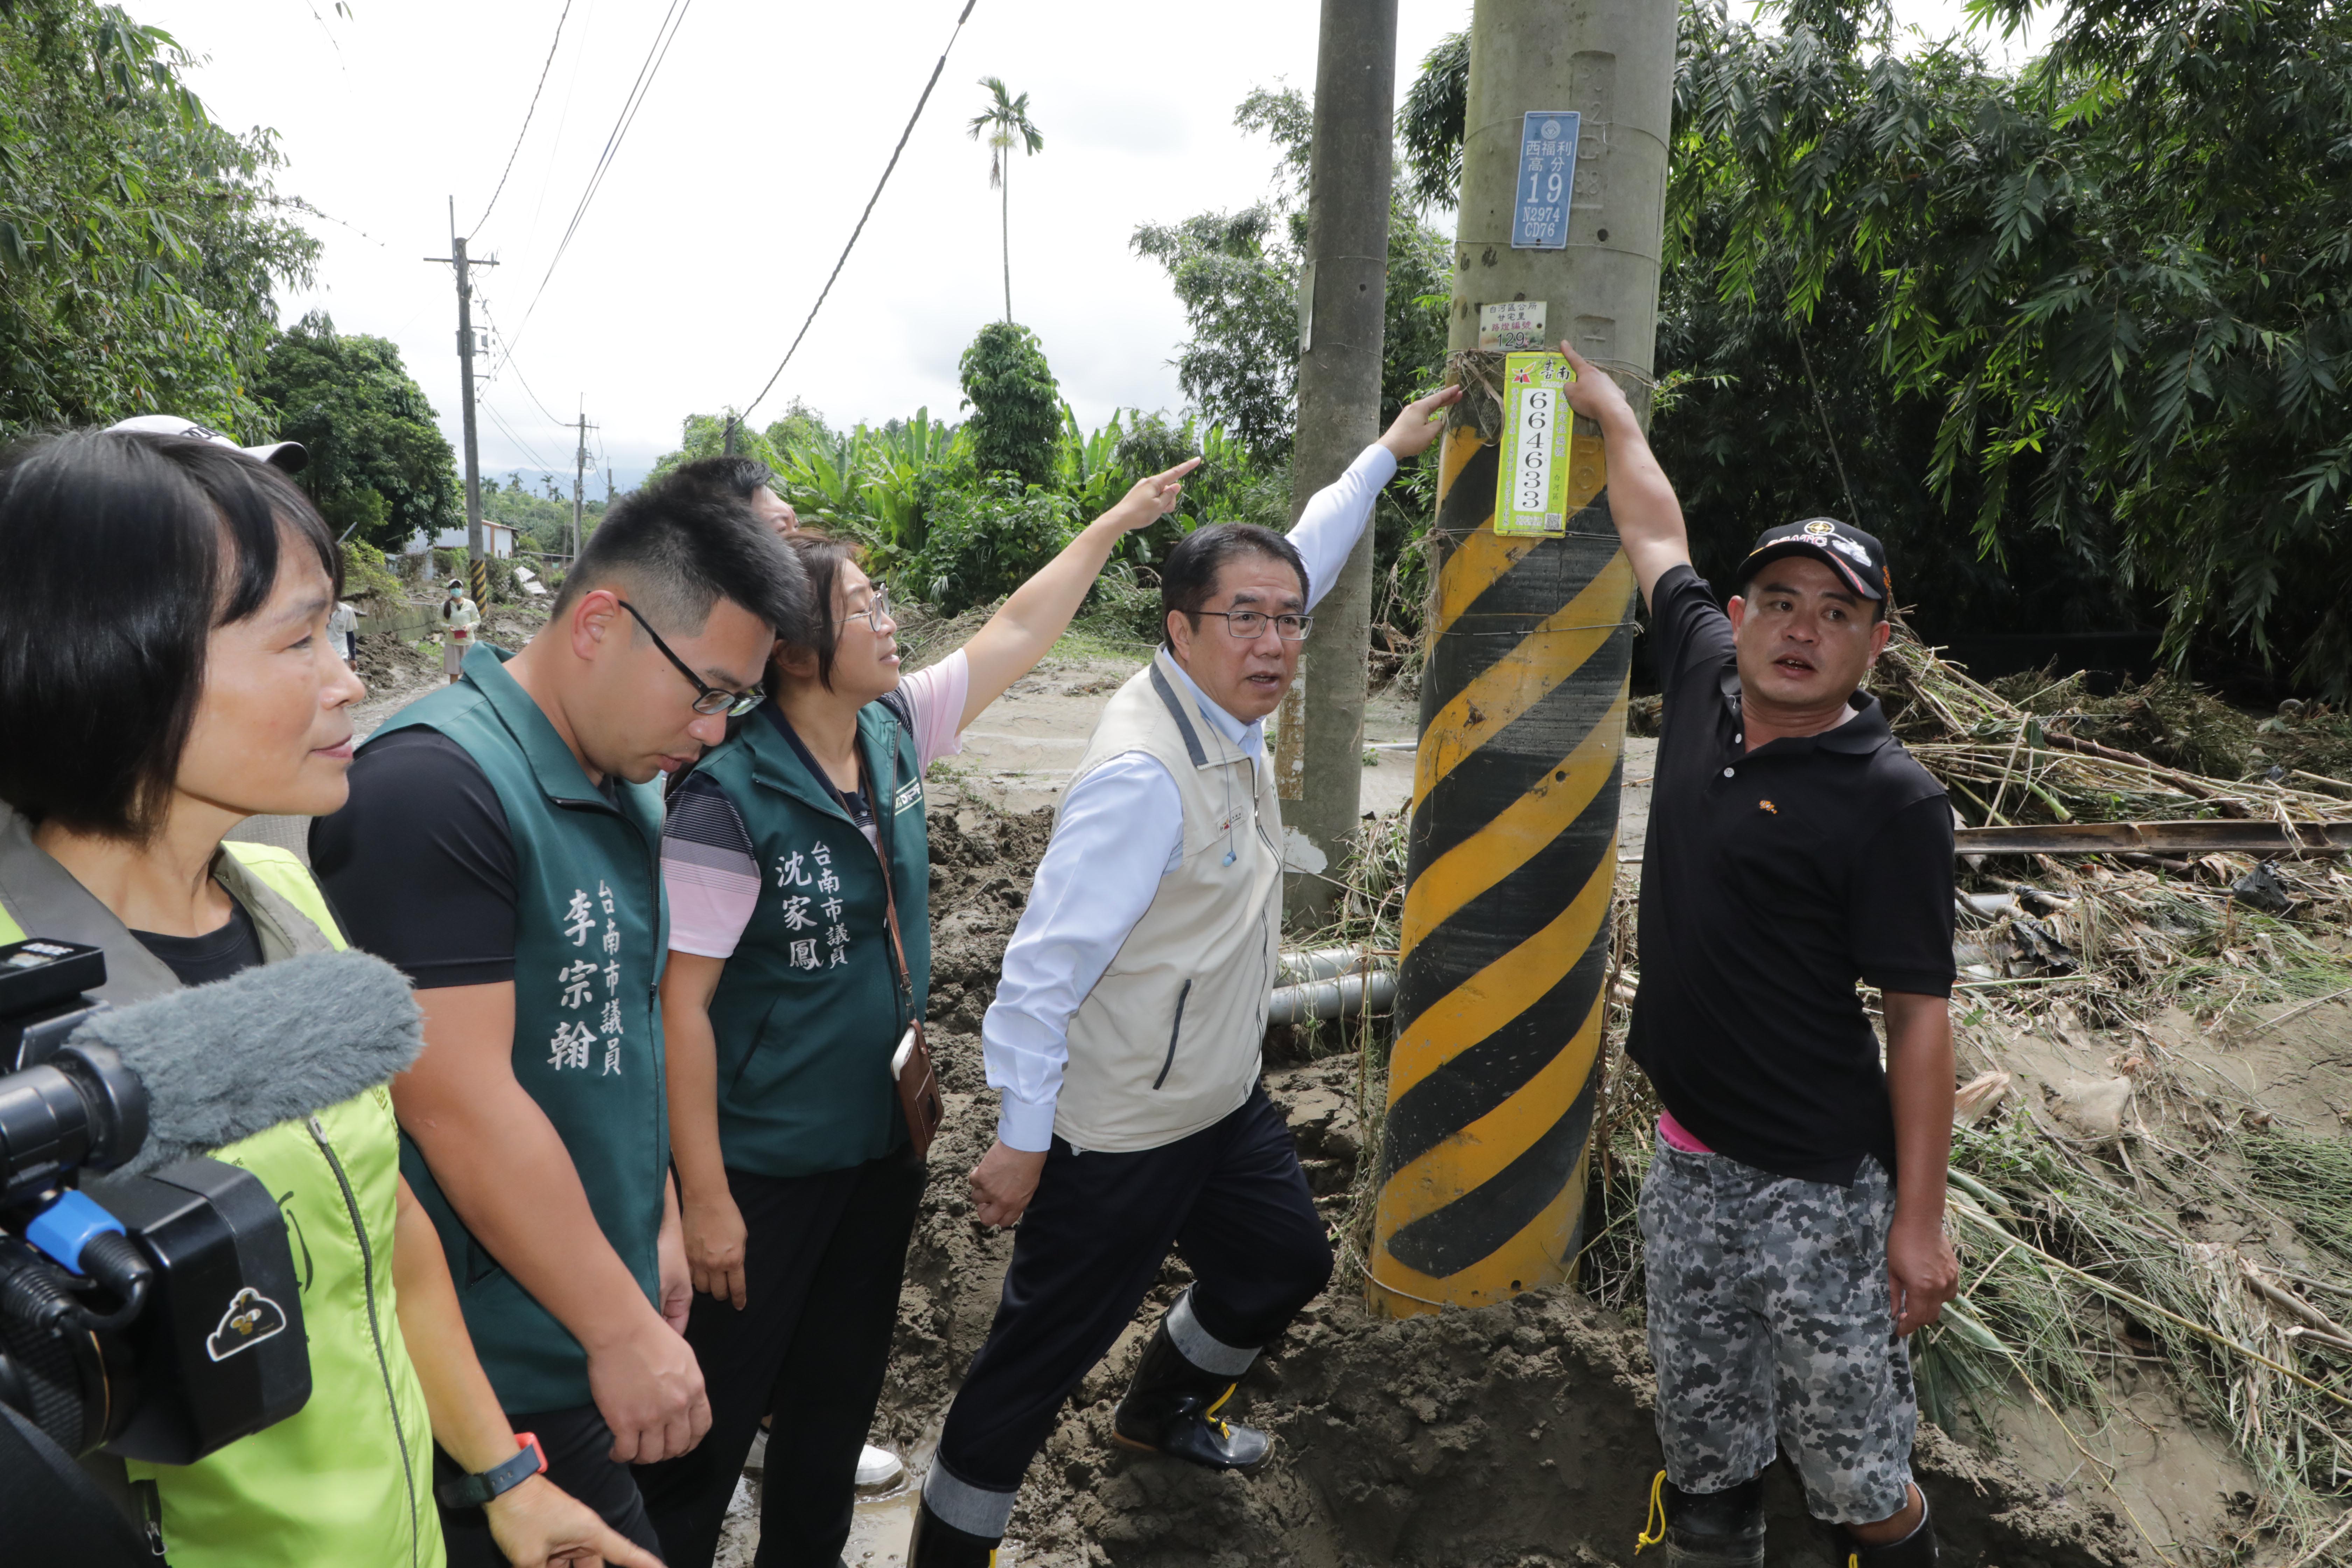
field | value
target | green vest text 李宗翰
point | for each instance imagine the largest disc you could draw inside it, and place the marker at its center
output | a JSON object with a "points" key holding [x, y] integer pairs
{"points": [[590, 933]]}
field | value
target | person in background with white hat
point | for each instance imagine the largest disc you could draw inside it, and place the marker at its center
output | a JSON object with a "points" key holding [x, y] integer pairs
{"points": [[460, 618], [343, 630]]}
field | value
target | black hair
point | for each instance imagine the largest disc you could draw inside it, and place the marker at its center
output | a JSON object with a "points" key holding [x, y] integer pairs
{"points": [[1190, 575], [732, 474], [680, 547], [125, 551], [821, 555]]}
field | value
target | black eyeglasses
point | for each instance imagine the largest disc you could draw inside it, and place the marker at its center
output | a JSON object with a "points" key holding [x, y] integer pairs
{"points": [[1251, 624], [709, 700]]}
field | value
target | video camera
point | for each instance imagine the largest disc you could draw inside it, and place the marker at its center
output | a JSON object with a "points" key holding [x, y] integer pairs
{"points": [[156, 1316]]}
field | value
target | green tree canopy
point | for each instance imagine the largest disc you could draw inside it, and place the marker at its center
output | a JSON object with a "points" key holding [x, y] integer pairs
{"points": [[140, 243], [1016, 406], [801, 429], [378, 461], [1236, 275], [2080, 336]]}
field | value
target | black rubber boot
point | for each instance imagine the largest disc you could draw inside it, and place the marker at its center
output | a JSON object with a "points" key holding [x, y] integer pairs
{"points": [[937, 1544], [1917, 1550], [1706, 1530], [1171, 1408]]}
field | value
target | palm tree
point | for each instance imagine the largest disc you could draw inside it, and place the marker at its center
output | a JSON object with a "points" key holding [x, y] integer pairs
{"points": [[1006, 122]]}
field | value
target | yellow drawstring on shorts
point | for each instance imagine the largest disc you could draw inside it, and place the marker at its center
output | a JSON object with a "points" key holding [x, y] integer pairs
{"points": [[1210, 1414], [1656, 1530]]}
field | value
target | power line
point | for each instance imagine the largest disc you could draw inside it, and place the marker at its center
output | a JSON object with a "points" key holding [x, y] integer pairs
{"points": [[506, 362], [745, 416], [301, 205], [526, 119], [527, 451], [562, 122], [663, 35]]}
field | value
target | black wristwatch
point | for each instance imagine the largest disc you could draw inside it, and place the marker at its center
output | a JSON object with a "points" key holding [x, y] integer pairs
{"points": [[474, 1491]]}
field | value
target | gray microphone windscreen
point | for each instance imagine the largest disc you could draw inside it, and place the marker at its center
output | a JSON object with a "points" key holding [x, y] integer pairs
{"points": [[226, 1060]]}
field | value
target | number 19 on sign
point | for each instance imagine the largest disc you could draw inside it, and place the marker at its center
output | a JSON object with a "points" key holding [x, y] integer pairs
{"points": [[1531, 490]]}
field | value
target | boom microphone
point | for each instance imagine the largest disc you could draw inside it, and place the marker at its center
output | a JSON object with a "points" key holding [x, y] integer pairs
{"points": [[226, 1060]]}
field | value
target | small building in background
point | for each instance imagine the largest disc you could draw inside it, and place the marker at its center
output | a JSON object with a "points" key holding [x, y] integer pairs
{"points": [[498, 538]]}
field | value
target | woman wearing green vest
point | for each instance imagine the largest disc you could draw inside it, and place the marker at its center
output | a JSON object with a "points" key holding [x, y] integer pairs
{"points": [[164, 674], [780, 1008]]}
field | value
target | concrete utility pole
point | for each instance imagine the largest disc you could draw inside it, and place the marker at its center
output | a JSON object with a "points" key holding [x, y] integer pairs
{"points": [[1318, 769], [1512, 857], [477, 574], [578, 480]]}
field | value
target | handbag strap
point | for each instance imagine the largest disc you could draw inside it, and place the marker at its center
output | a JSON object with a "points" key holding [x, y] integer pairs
{"points": [[879, 804]]}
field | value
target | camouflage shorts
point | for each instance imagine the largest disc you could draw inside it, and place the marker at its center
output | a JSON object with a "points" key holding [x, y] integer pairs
{"points": [[1770, 1320]]}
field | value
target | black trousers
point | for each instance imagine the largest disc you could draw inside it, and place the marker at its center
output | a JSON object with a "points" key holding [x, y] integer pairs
{"points": [[822, 1260], [579, 1449], [1232, 1202]]}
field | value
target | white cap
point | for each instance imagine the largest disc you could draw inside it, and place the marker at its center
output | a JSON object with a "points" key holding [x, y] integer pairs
{"points": [[286, 454]]}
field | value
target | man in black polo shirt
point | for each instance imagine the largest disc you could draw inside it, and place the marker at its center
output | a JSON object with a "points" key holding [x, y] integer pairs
{"points": [[1794, 848]]}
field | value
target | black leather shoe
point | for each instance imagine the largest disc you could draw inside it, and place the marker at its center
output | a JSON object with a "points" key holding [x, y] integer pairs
{"points": [[1917, 1550], [1708, 1529], [937, 1544], [1171, 1408]]}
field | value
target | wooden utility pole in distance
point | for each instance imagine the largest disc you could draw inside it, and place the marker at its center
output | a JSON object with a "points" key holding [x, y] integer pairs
{"points": [[1512, 857], [477, 575], [1343, 308]]}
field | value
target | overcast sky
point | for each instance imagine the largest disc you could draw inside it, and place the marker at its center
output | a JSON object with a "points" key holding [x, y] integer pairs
{"points": [[729, 200]]}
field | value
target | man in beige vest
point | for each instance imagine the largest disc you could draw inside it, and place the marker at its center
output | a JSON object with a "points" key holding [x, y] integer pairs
{"points": [[1124, 1036]]}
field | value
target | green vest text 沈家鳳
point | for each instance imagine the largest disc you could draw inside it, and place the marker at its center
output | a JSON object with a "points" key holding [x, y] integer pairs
{"points": [[808, 1009], [590, 933]]}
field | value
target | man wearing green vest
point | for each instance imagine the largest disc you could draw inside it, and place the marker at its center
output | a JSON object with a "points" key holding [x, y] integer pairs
{"points": [[502, 847]]}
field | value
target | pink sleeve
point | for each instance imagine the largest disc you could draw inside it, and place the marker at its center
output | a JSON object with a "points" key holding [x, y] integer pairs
{"points": [[708, 907], [936, 695], [707, 870]]}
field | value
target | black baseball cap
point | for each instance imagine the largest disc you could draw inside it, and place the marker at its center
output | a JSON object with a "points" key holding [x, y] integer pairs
{"points": [[1854, 555]]}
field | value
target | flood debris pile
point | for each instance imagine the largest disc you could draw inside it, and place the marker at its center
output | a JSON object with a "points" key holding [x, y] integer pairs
{"points": [[2059, 760]]}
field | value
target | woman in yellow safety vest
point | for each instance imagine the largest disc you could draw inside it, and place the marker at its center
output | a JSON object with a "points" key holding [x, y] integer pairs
{"points": [[164, 674]]}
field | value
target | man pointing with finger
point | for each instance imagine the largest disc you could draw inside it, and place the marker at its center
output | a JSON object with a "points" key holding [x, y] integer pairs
{"points": [[1792, 1218], [1125, 1038]]}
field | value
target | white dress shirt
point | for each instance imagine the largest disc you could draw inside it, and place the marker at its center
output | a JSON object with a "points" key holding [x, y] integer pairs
{"points": [[1122, 829]]}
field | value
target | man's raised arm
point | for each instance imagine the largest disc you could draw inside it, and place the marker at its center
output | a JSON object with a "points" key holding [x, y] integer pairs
{"points": [[1648, 518]]}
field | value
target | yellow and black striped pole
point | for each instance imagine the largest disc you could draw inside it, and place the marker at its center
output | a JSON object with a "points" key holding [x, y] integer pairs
{"points": [[1512, 853]]}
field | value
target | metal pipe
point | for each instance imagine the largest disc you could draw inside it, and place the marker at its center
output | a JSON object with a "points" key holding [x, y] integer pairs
{"points": [[1297, 964], [1339, 997]]}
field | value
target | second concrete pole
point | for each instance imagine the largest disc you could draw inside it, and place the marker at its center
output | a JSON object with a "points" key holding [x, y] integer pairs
{"points": [[1320, 780]]}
